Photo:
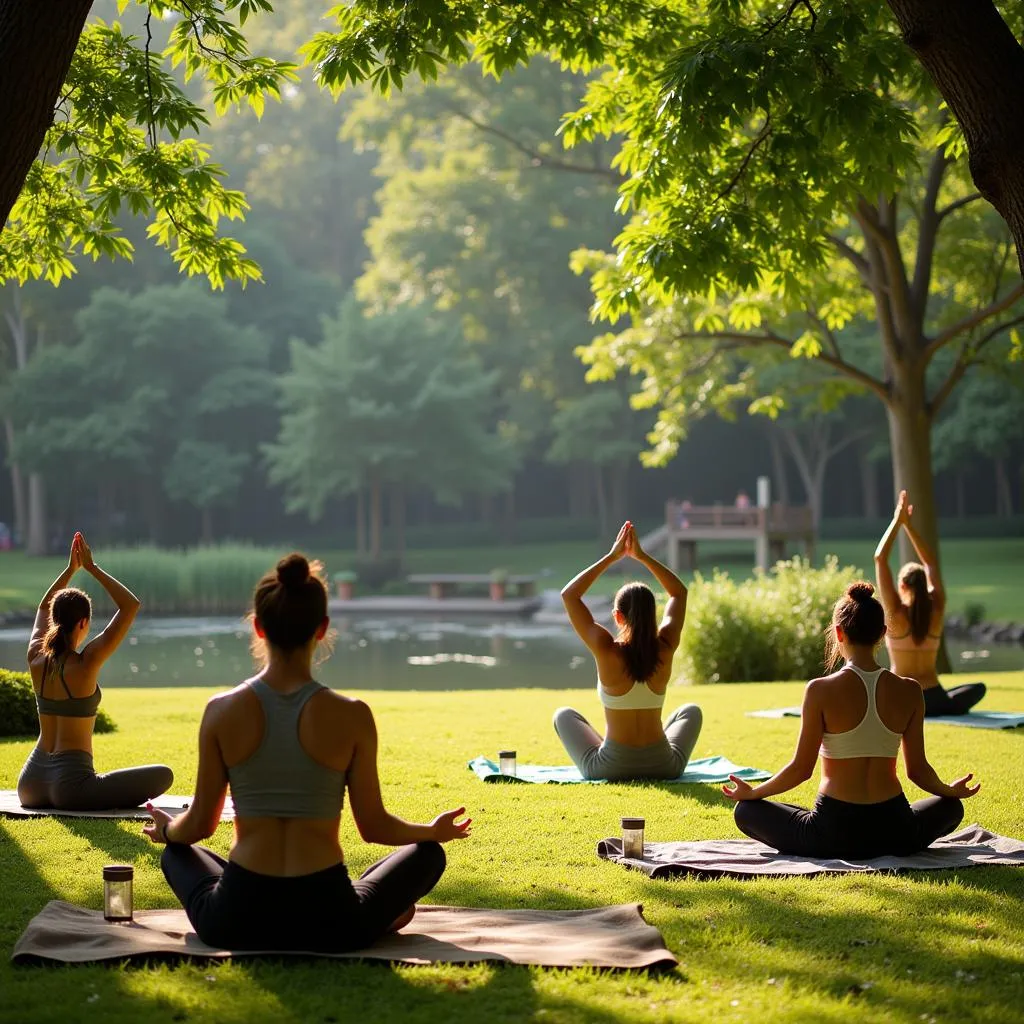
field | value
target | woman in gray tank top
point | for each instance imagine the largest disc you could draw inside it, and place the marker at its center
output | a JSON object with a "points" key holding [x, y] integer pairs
{"points": [[287, 748]]}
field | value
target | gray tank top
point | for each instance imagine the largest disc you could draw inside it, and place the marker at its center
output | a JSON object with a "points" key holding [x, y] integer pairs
{"points": [[280, 780], [67, 707]]}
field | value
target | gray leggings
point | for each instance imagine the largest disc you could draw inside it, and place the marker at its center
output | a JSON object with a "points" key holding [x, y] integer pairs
{"points": [[606, 759], [67, 781]]}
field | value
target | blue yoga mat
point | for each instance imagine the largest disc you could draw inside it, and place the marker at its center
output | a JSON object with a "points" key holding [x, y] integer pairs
{"points": [[704, 769], [972, 720]]}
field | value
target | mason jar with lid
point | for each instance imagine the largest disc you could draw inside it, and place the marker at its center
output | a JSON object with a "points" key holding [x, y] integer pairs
{"points": [[633, 838], [117, 892]]}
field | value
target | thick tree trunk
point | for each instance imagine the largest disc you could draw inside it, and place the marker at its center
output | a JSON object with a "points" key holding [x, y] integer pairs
{"points": [[37, 42], [36, 543], [978, 67], [17, 485]]}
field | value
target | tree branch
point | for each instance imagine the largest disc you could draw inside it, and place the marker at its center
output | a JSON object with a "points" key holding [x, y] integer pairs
{"points": [[928, 230], [880, 224], [537, 158], [788, 13], [956, 204], [966, 359], [827, 331], [761, 136], [969, 322], [859, 262], [778, 341]]}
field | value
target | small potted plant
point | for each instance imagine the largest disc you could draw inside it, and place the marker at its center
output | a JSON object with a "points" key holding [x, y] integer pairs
{"points": [[345, 584], [499, 582]]}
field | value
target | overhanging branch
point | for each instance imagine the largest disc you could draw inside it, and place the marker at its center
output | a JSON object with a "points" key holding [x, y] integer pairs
{"points": [[972, 321], [957, 204]]}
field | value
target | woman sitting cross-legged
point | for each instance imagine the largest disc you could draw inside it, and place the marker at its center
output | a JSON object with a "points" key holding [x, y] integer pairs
{"points": [[287, 747], [633, 672], [59, 772], [859, 717], [915, 610]]}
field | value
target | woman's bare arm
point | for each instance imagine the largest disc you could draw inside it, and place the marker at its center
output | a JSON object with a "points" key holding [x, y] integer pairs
{"points": [[592, 633], [101, 647], [671, 627]]}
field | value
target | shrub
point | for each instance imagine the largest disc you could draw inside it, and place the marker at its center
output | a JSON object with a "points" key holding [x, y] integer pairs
{"points": [[769, 627], [18, 707], [375, 574]]}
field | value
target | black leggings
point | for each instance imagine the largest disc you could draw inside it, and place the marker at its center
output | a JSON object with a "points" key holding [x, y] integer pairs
{"points": [[958, 701], [68, 782], [231, 907], [837, 829]]}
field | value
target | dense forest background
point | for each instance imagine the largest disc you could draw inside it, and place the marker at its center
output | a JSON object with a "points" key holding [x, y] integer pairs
{"points": [[407, 372]]}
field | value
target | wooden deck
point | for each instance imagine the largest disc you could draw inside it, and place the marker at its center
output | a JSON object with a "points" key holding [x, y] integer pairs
{"points": [[413, 604], [770, 528]]}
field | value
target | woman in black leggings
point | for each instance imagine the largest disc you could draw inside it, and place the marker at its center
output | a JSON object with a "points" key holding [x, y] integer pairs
{"points": [[287, 747], [858, 718]]}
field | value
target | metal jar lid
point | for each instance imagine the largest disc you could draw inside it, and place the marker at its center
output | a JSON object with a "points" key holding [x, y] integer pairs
{"points": [[506, 753], [118, 873], [633, 823]]}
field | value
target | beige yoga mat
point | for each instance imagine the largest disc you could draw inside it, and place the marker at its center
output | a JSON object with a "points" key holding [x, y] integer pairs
{"points": [[616, 936], [10, 806]]}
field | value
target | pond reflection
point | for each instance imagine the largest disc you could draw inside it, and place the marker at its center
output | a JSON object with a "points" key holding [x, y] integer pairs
{"points": [[390, 654]]}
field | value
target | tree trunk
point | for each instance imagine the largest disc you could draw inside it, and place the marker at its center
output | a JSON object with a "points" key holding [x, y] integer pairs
{"points": [[207, 527], [601, 495], [17, 485], [37, 42], [811, 462], [1004, 494], [375, 517], [398, 521], [361, 521], [37, 543], [978, 67], [780, 480], [868, 482]]}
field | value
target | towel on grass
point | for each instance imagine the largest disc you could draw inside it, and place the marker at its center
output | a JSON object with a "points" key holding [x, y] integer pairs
{"points": [[704, 769], [972, 720], [10, 806], [971, 847], [615, 936]]}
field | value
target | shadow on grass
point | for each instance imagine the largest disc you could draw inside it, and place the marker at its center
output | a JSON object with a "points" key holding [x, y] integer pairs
{"points": [[122, 846]]}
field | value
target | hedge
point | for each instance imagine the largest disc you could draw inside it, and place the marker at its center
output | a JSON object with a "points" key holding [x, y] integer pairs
{"points": [[18, 707]]}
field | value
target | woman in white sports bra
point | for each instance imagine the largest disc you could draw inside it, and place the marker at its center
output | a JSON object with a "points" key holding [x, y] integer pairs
{"points": [[857, 718], [915, 610], [633, 673]]}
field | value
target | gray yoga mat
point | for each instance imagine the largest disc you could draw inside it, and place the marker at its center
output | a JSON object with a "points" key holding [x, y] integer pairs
{"points": [[615, 936], [972, 720], [971, 847], [10, 806], [703, 769]]}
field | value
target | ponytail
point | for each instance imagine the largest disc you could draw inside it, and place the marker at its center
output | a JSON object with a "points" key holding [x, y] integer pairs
{"points": [[67, 609], [919, 611], [638, 635]]}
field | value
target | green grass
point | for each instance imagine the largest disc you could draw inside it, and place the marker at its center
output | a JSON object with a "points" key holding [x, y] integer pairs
{"points": [[930, 946], [976, 571]]}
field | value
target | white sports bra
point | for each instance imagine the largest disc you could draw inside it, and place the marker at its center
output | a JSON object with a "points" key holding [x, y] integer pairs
{"points": [[871, 737], [638, 697]]}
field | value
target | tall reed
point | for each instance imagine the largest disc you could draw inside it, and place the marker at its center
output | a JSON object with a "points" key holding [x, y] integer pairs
{"points": [[210, 580]]}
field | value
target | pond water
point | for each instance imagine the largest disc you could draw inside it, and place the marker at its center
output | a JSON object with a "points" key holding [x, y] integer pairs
{"points": [[388, 654]]}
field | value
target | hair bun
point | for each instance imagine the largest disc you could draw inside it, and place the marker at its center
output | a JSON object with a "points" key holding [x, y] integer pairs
{"points": [[292, 571], [861, 590]]}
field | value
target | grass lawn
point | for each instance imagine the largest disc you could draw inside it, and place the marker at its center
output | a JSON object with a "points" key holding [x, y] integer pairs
{"points": [[976, 571], [931, 947]]}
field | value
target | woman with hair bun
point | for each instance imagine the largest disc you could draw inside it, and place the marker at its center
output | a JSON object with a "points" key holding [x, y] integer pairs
{"points": [[857, 719], [633, 673], [915, 610], [287, 747], [59, 772]]}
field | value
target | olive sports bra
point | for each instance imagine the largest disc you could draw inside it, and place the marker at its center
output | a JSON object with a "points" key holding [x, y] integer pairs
{"points": [[69, 707]]}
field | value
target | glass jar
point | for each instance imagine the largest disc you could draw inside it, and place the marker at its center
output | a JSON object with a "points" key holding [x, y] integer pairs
{"points": [[507, 762], [633, 838], [117, 892]]}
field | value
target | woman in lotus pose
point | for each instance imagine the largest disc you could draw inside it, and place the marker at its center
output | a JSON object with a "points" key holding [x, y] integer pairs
{"points": [[857, 718], [915, 612], [287, 747], [633, 671], [59, 772]]}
